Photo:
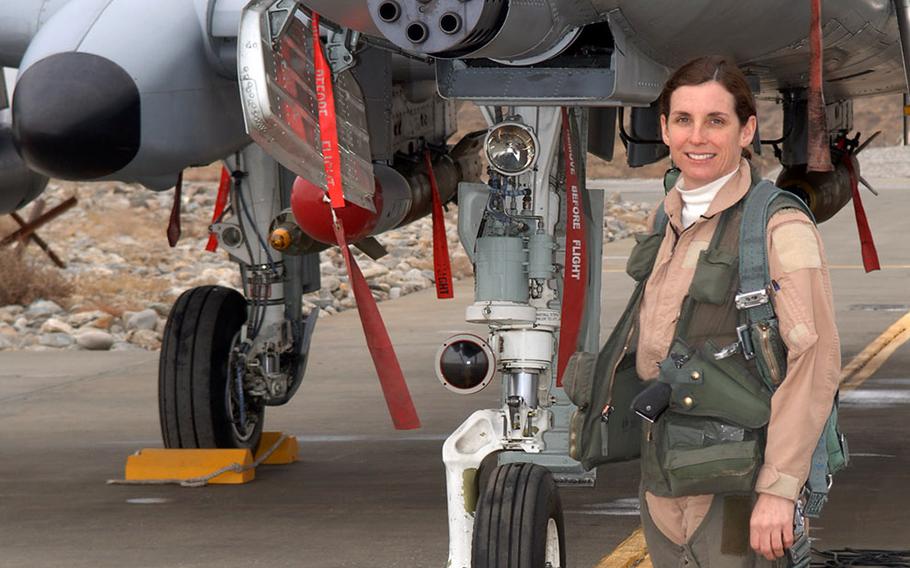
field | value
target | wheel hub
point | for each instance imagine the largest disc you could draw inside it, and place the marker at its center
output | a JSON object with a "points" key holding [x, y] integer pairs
{"points": [[553, 552], [243, 408]]}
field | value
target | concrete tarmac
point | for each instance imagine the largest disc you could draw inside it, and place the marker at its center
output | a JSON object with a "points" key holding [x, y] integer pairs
{"points": [[363, 494]]}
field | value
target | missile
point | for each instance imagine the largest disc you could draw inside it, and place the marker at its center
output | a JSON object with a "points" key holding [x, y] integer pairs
{"points": [[401, 197], [825, 193]]}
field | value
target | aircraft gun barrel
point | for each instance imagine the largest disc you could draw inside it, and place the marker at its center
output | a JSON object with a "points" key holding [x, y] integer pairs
{"points": [[514, 32]]}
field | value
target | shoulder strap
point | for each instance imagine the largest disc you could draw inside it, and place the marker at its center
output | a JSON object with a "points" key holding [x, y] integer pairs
{"points": [[660, 219], [761, 203]]}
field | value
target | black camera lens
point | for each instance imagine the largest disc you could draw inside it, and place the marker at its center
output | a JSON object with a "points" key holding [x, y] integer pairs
{"points": [[464, 364]]}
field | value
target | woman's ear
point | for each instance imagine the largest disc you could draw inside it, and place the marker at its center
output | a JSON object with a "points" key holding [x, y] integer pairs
{"points": [[663, 129], [748, 132]]}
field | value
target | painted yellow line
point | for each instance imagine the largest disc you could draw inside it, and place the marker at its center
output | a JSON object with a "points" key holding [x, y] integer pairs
{"points": [[630, 553], [870, 359]]}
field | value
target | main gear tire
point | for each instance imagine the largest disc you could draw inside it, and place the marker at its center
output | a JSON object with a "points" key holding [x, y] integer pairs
{"points": [[519, 520], [198, 399]]}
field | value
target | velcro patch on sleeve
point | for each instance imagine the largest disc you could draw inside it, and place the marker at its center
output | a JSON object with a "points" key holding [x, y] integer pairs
{"points": [[796, 247], [801, 338]]}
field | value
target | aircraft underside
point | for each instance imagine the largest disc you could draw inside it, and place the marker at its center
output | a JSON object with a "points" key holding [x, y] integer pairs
{"points": [[100, 96]]}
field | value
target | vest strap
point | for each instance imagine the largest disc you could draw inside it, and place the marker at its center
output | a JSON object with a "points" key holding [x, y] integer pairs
{"points": [[754, 276], [819, 480], [754, 300]]}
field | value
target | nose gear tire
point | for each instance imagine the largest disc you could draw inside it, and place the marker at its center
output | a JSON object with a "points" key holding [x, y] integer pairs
{"points": [[194, 387], [519, 520]]}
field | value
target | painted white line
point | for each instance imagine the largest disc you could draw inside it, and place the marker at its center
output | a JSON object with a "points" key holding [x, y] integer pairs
{"points": [[627, 507], [866, 455], [337, 438], [148, 501], [313, 439]]}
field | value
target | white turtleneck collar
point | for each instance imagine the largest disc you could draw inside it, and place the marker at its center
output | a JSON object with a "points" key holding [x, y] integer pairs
{"points": [[696, 201]]}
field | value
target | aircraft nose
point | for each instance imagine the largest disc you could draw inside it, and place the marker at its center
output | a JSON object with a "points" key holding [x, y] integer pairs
{"points": [[76, 116]]}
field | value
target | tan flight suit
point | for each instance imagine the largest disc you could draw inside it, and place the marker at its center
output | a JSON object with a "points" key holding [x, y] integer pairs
{"points": [[799, 407]]}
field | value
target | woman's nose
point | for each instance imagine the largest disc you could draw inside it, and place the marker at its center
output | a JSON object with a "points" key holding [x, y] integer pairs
{"points": [[696, 136]]}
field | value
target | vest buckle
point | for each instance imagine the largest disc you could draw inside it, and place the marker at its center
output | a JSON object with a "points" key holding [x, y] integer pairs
{"points": [[728, 351], [747, 300], [745, 340]]}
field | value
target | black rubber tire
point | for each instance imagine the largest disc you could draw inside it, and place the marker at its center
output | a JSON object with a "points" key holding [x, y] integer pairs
{"points": [[516, 505], [193, 396]]}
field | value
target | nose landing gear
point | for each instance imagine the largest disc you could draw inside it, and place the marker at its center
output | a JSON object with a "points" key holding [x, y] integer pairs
{"points": [[518, 504]]}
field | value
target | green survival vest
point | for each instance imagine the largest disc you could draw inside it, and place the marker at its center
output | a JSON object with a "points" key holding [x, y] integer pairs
{"points": [[724, 364]]}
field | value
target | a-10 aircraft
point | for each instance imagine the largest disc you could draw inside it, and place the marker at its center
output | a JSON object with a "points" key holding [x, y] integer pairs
{"points": [[138, 91]]}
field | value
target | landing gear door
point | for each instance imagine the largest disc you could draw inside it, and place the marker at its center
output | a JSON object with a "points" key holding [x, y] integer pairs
{"points": [[277, 73]]}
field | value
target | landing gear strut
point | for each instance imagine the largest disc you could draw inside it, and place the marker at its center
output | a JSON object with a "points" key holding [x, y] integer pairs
{"points": [[532, 232], [227, 355]]}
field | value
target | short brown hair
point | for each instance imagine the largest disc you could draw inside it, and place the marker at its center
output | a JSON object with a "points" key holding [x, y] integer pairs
{"points": [[711, 68]]}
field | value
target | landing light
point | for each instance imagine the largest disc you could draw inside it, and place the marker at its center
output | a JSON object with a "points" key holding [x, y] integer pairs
{"points": [[511, 148]]}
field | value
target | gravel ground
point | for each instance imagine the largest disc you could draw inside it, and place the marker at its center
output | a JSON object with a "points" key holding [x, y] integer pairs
{"points": [[126, 278]]}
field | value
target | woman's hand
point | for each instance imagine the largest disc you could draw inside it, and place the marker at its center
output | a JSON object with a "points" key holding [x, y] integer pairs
{"points": [[771, 527]]}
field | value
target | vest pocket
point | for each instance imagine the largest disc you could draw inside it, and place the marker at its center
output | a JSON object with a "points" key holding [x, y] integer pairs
{"points": [[714, 275], [641, 259], [729, 467], [710, 439], [599, 434], [578, 378]]}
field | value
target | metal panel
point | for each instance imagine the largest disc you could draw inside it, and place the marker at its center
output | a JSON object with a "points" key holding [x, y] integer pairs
{"points": [[769, 39], [278, 87], [526, 85], [602, 132], [19, 22]]}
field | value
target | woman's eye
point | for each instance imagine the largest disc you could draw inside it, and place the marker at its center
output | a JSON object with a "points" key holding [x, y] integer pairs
{"points": [[717, 121], [682, 120]]}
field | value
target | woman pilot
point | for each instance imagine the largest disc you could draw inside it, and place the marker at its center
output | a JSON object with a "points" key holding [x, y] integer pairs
{"points": [[708, 120]]}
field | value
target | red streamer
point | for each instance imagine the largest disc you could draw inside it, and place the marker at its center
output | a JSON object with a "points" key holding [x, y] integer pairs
{"points": [[819, 152], [870, 254], [575, 270], [328, 124], [442, 266], [391, 378], [220, 203]]}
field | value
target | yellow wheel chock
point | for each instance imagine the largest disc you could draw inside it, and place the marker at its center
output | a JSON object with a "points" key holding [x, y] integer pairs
{"points": [[197, 467]]}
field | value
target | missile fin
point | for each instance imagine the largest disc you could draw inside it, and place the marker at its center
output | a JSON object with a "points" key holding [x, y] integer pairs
{"points": [[372, 248], [863, 181]]}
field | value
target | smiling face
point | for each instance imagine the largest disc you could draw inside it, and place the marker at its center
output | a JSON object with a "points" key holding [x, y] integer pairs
{"points": [[703, 132]]}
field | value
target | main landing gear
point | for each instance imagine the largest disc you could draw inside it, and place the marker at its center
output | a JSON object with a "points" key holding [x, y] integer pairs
{"points": [[227, 355]]}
